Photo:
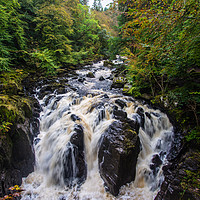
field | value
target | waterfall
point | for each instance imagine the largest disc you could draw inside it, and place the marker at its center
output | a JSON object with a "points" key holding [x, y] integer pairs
{"points": [[71, 125]]}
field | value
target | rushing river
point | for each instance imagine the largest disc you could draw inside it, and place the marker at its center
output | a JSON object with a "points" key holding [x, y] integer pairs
{"points": [[62, 112]]}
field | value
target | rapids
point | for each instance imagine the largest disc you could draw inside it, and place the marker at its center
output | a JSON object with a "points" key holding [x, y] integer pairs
{"points": [[91, 107]]}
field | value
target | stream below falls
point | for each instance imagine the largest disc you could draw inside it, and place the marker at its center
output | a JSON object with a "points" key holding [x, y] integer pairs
{"points": [[73, 127]]}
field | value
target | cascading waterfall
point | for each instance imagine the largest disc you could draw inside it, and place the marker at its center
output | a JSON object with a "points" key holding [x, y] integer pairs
{"points": [[60, 151]]}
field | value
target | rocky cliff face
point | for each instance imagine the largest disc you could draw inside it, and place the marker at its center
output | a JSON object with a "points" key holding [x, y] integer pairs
{"points": [[181, 178], [16, 150]]}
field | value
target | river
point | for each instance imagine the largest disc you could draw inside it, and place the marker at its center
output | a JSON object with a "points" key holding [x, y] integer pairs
{"points": [[88, 102]]}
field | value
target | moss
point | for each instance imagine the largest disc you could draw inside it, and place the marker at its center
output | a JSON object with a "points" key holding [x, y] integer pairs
{"points": [[14, 108], [119, 80], [11, 81], [108, 63]]}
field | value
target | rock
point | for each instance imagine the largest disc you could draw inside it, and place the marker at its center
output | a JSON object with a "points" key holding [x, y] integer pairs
{"points": [[101, 78], [121, 103], [126, 89], [117, 85], [16, 156], [140, 112], [156, 160], [181, 179], [120, 114], [76, 149], [90, 75], [9, 177], [22, 153], [105, 96], [36, 141], [75, 117], [117, 157], [81, 79], [108, 63]]}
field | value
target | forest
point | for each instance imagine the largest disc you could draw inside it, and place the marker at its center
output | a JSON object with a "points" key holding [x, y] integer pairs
{"points": [[158, 39]]}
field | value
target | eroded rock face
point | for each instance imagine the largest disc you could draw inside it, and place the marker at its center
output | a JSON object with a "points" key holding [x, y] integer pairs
{"points": [[181, 179], [16, 152], [17, 157], [118, 151]]}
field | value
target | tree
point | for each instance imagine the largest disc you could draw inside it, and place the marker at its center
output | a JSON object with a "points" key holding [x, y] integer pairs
{"points": [[97, 5], [11, 33], [163, 46], [84, 2]]}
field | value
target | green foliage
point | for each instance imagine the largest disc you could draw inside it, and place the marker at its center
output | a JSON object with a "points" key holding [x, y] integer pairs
{"points": [[191, 182], [43, 60], [11, 33], [194, 135], [161, 40], [49, 34], [4, 127]]}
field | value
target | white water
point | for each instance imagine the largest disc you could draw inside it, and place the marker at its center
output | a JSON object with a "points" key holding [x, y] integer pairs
{"points": [[56, 128]]}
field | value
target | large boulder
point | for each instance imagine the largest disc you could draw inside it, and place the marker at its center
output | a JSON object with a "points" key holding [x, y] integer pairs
{"points": [[75, 165], [118, 151]]}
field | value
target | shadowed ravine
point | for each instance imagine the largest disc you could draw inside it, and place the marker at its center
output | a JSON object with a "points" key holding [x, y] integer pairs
{"points": [[93, 139]]}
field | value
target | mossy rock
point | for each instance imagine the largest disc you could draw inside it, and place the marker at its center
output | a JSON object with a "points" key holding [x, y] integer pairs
{"points": [[14, 108], [11, 82], [90, 75], [118, 82], [108, 63], [126, 89]]}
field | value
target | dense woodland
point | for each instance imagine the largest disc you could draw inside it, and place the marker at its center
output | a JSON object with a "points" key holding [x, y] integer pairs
{"points": [[159, 39]]}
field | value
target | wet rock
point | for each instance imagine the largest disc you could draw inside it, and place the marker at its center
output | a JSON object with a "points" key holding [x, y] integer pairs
{"points": [[121, 103], [120, 115], [9, 177], [35, 127], [179, 180], [16, 157], [81, 79], [126, 89], [36, 141], [90, 75], [176, 147], [105, 96], [148, 115], [156, 160], [78, 174], [75, 117], [117, 85], [101, 78], [117, 157], [108, 63], [22, 152], [140, 112]]}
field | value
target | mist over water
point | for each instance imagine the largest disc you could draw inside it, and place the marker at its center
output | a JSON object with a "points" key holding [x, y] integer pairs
{"points": [[89, 109]]}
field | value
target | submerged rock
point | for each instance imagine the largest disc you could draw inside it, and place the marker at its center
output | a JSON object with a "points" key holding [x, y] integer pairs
{"points": [[118, 151]]}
